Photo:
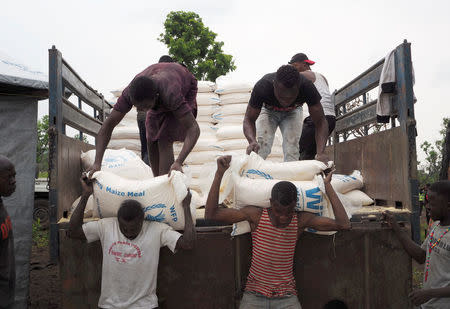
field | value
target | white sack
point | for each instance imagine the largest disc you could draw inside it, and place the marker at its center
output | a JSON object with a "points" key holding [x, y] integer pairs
{"points": [[122, 162], [346, 183], [207, 98], [207, 110], [161, 197], [233, 98], [359, 198], [258, 168], [125, 133], [88, 211], [225, 84], [131, 144], [205, 86], [203, 144], [230, 119], [232, 109], [208, 118], [230, 132], [202, 157], [232, 144]]}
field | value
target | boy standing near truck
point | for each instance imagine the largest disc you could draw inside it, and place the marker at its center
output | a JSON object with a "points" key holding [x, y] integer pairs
{"points": [[130, 248], [434, 252], [275, 230], [7, 261]]}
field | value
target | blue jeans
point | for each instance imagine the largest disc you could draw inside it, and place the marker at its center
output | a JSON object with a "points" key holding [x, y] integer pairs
{"points": [[257, 301], [290, 124]]}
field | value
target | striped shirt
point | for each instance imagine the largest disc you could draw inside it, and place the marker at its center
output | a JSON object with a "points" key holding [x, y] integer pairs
{"points": [[271, 272]]}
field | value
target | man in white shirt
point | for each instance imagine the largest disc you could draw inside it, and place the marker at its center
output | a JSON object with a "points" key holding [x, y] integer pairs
{"points": [[130, 248], [308, 140]]}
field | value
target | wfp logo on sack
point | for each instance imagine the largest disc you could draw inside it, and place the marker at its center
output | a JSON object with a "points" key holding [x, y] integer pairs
{"points": [[114, 161], [344, 178], [160, 217], [309, 200], [257, 173]]}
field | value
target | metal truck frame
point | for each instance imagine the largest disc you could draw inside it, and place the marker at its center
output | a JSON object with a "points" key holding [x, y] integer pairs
{"points": [[365, 267]]}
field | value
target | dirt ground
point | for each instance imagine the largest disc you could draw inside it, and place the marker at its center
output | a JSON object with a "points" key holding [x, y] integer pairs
{"points": [[45, 288]]}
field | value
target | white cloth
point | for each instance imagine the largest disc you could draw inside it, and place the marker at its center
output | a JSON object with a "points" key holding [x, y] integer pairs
{"points": [[130, 267], [324, 90], [387, 80]]}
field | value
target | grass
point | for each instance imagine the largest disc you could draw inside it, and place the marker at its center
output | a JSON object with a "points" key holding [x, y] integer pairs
{"points": [[40, 236], [43, 174]]}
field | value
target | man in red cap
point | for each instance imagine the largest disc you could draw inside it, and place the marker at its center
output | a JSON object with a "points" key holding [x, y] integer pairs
{"points": [[308, 141]]}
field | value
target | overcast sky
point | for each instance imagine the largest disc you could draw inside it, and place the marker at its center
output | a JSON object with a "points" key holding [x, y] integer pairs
{"points": [[108, 42]]}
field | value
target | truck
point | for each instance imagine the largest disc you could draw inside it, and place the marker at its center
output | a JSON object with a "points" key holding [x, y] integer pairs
{"points": [[41, 205], [365, 267]]}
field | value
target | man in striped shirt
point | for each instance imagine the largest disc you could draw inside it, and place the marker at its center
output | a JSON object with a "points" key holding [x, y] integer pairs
{"points": [[275, 230]]}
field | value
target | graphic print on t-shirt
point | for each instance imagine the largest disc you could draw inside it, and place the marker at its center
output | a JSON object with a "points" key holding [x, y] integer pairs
{"points": [[5, 226], [124, 252]]}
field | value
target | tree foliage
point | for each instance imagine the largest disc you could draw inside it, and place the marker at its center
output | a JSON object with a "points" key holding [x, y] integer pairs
{"points": [[192, 43], [42, 144], [429, 171]]}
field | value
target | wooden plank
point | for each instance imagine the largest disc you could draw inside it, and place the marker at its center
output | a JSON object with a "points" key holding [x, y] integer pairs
{"points": [[364, 83], [80, 88], [69, 171], [78, 119], [361, 116]]}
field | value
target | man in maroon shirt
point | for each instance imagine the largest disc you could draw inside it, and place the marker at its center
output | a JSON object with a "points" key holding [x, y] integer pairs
{"points": [[167, 91]]}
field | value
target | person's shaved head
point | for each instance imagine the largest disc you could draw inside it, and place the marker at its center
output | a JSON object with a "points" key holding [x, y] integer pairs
{"points": [[7, 177], [5, 163]]}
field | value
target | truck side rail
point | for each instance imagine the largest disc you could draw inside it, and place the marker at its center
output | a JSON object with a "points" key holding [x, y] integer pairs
{"points": [[65, 87], [385, 154]]}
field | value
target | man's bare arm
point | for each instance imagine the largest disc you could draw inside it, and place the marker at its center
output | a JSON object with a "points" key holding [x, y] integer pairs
{"points": [[76, 220], [190, 125], [102, 139], [227, 215], [189, 237], [413, 249], [251, 114], [340, 221], [321, 124]]}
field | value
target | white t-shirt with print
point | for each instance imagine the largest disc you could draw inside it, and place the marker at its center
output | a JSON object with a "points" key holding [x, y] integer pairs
{"points": [[439, 271], [130, 267]]}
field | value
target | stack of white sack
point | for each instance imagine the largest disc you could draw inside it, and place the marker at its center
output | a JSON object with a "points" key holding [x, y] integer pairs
{"points": [[126, 133], [205, 150], [124, 176], [250, 179], [234, 97]]}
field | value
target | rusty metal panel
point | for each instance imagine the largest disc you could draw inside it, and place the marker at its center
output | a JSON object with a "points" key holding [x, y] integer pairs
{"points": [[201, 278], [349, 267], [69, 171], [80, 266], [381, 158]]}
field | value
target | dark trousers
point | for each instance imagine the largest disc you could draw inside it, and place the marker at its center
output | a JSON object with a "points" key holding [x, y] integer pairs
{"points": [[143, 137], [308, 138]]}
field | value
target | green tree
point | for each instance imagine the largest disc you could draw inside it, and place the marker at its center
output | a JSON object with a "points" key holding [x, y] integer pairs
{"points": [[192, 43], [42, 144], [429, 171]]}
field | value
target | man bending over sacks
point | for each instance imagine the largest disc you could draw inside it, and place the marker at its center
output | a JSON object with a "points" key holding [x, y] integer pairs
{"points": [[275, 230], [130, 248]]}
